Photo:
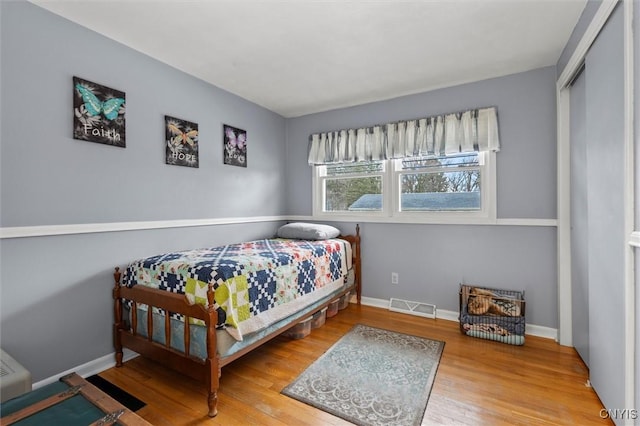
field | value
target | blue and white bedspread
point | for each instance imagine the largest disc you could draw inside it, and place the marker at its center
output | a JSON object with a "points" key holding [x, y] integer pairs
{"points": [[256, 283]]}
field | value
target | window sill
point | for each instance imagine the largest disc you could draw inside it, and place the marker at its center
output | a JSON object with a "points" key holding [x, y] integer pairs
{"points": [[448, 220]]}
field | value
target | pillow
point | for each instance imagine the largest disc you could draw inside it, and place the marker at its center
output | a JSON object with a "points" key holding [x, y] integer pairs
{"points": [[307, 231]]}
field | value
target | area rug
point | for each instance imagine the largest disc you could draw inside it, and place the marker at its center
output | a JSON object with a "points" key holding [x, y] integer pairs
{"points": [[116, 392], [372, 377]]}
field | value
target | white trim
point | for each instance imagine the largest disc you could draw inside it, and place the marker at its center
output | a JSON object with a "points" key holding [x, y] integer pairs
{"points": [[450, 219], [528, 222], [576, 60], [542, 331], [90, 368], [446, 315], [418, 221], [634, 239], [90, 228], [376, 303]]}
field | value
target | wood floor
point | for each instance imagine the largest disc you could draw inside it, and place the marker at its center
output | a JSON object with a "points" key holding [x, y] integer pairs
{"points": [[478, 382]]}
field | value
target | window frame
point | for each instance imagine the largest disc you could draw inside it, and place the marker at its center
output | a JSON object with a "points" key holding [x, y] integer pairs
{"points": [[318, 192], [391, 190]]}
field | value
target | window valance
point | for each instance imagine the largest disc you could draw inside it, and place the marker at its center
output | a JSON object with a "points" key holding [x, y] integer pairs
{"points": [[468, 131]]}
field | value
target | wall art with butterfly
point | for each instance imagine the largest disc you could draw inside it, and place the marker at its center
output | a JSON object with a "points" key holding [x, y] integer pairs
{"points": [[98, 113], [235, 146], [181, 138]]}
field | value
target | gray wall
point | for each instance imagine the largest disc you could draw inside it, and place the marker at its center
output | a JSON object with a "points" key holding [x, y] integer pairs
{"points": [[55, 307], [526, 166], [57, 310], [72, 181], [604, 74], [433, 259], [636, 56], [52, 287], [605, 236]]}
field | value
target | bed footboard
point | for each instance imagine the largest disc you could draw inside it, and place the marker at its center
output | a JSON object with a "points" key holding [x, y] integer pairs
{"points": [[125, 333]]}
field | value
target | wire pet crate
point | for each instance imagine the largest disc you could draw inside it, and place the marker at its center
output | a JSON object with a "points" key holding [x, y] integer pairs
{"points": [[492, 314]]}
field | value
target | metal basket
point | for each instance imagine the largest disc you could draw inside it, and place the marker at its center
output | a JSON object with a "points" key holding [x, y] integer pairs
{"points": [[492, 314]]}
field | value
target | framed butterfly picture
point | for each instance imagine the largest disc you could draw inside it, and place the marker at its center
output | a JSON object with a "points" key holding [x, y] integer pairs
{"points": [[181, 140], [235, 146], [98, 113]]}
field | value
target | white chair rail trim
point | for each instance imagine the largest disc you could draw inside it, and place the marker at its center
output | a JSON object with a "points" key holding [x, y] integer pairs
{"points": [[92, 228]]}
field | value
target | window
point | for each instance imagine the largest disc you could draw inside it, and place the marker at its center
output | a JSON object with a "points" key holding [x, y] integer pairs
{"points": [[440, 183], [456, 188], [438, 169], [345, 185]]}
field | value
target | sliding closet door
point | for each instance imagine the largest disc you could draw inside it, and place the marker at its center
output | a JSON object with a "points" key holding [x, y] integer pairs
{"points": [[579, 221], [604, 74]]}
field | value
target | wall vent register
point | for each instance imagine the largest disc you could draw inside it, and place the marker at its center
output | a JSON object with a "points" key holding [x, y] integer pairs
{"points": [[414, 308]]}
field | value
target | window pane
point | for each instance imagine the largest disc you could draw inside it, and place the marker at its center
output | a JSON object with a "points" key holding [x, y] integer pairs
{"points": [[450, 162], [353, 194], [451, 191], [352, 168]]}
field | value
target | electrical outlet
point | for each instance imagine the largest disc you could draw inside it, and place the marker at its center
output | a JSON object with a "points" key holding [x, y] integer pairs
{"points": [[394, 278]]}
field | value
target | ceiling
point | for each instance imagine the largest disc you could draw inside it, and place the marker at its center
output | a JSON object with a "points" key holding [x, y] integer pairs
{"points": [[297, 57]]}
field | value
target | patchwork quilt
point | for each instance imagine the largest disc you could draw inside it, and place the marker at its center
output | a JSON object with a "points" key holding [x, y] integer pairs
{"points": [[256, 283]]}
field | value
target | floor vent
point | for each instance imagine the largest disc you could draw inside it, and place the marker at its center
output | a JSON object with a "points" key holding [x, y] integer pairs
{"points": [[413, 308]]}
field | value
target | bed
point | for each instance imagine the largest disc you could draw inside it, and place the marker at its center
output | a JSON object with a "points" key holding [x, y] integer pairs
{"points": [[198, 310]]}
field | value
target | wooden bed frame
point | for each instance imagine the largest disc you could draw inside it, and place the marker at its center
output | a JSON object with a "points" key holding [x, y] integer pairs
{"points": [[208, 369]]}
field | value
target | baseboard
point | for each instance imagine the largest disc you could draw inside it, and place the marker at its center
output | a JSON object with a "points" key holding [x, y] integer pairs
{"points": [[90, 368], [443, 314]]}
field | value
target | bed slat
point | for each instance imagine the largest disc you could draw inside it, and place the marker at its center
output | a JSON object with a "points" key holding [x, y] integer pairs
{"points": [[167, 329], [187, 336], [134, 318], [149, 323]]}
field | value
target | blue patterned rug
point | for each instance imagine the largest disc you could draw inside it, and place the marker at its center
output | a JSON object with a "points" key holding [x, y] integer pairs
{"points": [[372, 377]]}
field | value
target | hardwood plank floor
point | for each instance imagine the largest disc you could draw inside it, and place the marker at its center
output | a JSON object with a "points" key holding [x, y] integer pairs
{"points": [[479, 382]]}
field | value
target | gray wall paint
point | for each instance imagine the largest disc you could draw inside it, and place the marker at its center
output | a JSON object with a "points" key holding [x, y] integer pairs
{"points": [[56, 310], [636, 56], [604, 68], [72, 181], [604, 167], [526, 167], [69, 181], [433, 259], [56, 307]]}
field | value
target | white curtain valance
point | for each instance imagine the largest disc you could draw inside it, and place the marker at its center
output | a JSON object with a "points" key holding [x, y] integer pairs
{"points": [[468, 131]]}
